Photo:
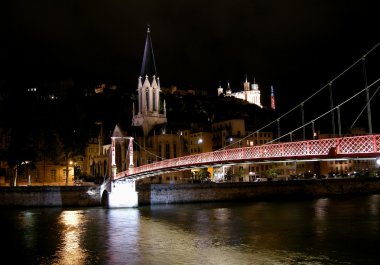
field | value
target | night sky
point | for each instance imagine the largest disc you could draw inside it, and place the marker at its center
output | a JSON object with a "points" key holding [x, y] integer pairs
{"points": [[296, 46]]}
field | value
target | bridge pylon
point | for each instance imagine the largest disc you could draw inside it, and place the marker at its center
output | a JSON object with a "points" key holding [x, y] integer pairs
{"points": [[123, 194], [119, 193]]}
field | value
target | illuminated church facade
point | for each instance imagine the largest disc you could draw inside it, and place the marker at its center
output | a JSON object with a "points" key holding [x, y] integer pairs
{"points": [[149, 110], [251, 93]]}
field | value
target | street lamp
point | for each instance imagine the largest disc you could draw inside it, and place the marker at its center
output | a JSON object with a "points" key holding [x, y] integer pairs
{"points": [[252, 176], [16, 171], [100, 137], [67, 171], [378, 164], [180, 142]]}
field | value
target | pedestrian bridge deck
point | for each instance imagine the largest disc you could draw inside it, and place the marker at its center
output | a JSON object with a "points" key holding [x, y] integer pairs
{"points": [[365, 146]]}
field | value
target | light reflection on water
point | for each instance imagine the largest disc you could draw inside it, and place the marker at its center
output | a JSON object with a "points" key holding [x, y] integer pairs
{"points": [[70, 250], [321, 231]]}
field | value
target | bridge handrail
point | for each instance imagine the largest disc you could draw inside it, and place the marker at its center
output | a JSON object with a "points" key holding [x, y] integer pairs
{"points": [[364, 144]]}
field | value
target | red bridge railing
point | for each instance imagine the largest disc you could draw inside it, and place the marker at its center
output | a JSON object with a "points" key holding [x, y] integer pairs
{"points": [[355, 146]]}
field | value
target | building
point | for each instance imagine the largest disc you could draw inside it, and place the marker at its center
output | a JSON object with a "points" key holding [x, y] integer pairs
{"points": [[149, 106], [226, 132], [251, 93], [152, 139], [231, 134], [5, 139], [199, 142]]}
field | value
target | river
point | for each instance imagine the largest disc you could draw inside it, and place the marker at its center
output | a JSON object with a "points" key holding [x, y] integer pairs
{"points": [[335, 230]]}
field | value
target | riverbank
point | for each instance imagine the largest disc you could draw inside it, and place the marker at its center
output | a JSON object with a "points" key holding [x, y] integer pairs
{"points": [[50, 196], [245, 191], [150, 194]]}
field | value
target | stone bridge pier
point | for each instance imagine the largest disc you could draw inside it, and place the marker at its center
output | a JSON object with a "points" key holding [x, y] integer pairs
{"points": [[119, 193]]}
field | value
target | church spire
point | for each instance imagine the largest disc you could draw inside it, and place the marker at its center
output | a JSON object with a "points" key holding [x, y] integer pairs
{"points": [[228, 92], [148, 66], [148, 89], [246, 84]]}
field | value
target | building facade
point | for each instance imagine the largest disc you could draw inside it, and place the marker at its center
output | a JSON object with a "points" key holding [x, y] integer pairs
{"points": [[250, 93]]}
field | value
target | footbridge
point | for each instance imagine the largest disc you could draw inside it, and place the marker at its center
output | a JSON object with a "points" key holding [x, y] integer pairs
{"points": [[121, 185], [330, 109]]}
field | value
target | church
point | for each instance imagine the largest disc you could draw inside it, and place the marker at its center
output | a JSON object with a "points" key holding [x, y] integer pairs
{"points": [[251, 93], [154, 139]]}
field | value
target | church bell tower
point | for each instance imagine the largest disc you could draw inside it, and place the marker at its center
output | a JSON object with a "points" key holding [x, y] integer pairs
{"points": [[148, 89]]}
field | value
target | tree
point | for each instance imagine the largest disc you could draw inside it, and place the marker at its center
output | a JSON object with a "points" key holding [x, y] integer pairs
{"points": [[239, 173], [203, 174], [229, 174], [272, 172]]}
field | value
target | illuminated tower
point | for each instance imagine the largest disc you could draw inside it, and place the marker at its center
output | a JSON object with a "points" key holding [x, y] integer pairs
{"points": [[246, 89], [228, 91], [148, 89], [220, 89], [255, 95], [246, 84], [251, 93], [272, 100]]}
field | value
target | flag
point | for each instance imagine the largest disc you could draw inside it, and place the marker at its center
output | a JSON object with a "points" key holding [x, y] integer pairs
{"points": [[272, 101]]}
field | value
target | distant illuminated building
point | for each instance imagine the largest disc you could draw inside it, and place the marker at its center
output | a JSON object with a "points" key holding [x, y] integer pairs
{"points": [[199, 142], [103, 87], [32, 89], [100, 88], [220, 89], [251, 93]]}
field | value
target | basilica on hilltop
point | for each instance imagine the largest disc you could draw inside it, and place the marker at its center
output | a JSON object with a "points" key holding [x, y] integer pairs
{"points": [[251, 93]]}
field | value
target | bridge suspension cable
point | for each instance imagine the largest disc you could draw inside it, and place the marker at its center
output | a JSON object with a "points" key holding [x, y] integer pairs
{"points": [[332, 106], [336, 107], [146, 150], [352, 125], [329, 84]]}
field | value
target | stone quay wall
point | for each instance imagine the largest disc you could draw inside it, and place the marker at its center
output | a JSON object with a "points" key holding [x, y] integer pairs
{"points": [[88, 196], [209, 192], [50, 196]]}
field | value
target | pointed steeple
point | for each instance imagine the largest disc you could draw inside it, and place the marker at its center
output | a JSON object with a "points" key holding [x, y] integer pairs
{"points": [[246, 84], [148, 66], [149, 113], [117, 131], [228, 91]]}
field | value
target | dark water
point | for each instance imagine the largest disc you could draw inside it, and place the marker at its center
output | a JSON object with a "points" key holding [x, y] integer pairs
{"points": [[344, 230]]}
